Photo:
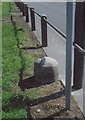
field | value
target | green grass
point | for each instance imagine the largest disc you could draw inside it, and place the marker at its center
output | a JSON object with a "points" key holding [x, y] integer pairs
{"points": [[13, 59], [5, 11], [11, 65], [15, 113], [0, 8]]}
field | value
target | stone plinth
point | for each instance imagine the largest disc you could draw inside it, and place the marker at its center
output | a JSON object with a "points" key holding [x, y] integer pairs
{"points": [[46, 70]]}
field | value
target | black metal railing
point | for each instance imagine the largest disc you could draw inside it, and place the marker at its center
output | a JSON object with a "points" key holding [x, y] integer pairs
{"points": [[25, 9], [49, 23]]}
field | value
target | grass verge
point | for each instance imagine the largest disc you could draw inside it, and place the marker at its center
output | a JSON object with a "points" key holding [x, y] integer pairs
{"points": [[11, 65], [17, 64]]}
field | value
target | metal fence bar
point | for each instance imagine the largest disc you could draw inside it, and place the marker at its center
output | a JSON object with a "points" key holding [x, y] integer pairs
{"points": [[32, 14], [38, 14], [44, 31], [56, 29], [81, 50]]}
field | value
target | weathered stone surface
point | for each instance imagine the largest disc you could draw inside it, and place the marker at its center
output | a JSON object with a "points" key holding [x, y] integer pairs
{"points": [[46, 70]]}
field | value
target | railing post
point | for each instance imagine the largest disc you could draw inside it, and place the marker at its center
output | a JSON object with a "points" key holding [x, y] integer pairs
{"points": [[32, 14], [44, 30], [23, 12], [26, 13], [17, 4], [21, 6], [79, 39]]}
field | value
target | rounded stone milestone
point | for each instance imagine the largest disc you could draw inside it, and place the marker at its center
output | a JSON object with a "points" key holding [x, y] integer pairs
{"points": [[46, 70]]}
